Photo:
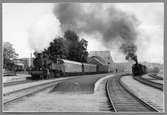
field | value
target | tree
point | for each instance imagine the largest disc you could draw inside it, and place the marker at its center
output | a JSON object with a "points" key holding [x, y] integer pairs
{"points": [[9, 55], [83, 50], [77, 49], [69, 47], [57, 49]]}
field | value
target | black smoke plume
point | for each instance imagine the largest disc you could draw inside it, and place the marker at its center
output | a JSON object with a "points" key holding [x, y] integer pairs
{"points": [[129, 50], [110, 22]]}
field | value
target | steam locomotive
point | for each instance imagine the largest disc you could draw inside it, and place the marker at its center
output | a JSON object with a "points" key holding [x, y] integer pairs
{"points": [[138, 69]]}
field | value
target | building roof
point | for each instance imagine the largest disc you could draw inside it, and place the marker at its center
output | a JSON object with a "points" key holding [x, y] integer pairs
{"points": [[97, 59]]}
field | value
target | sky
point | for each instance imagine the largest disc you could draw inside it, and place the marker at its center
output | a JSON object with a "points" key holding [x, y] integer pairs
{"points": [[26, 26]]}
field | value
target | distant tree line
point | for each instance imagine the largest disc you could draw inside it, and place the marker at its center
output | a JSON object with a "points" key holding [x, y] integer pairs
{"points": [[70, 47]]}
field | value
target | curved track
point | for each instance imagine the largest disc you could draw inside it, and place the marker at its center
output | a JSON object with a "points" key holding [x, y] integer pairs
{"points": [[149, 82], [124, 101], [156, 76], [120, 99], [9, 97]]}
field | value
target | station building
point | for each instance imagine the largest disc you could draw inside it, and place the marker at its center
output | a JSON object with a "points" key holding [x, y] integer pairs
{"points": [[102, 58]]}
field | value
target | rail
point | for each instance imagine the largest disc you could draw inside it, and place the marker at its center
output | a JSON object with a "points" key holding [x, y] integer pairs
{"points": [[123, 100]]}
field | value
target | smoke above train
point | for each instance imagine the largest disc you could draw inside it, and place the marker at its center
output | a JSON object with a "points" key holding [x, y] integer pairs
{"points": [[111, 23], [114, 27]]}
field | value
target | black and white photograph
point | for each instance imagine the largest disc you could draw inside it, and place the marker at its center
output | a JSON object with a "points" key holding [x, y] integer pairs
{"points": [[83, 57]]}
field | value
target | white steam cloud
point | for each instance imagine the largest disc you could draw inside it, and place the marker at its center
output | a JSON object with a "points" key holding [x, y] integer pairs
{"points": [[43, 31]]}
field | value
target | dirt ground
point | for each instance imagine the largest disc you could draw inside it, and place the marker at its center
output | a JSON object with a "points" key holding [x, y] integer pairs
{"points": [[83, 84]]}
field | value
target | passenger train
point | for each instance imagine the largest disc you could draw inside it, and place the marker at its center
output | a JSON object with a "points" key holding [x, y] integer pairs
{"points": [[67, 68]]}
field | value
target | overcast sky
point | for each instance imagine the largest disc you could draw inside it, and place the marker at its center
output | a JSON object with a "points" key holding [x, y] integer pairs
{"points": [[20, 20]]}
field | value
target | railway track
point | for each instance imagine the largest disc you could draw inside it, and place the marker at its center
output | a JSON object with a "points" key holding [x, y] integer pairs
{"points": [[122, 100], [149, 82], [16, 94], [12, 96], [156, 76], [88, 100]]}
